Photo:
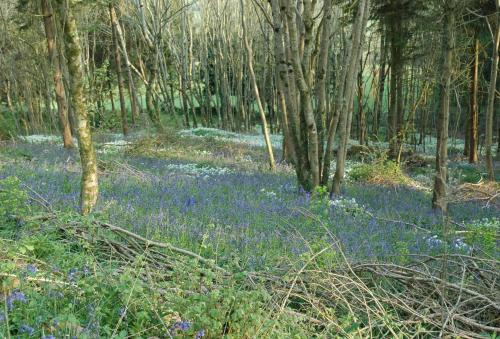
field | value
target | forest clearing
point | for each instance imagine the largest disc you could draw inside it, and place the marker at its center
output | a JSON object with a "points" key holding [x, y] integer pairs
{"points": [[249, 169]]}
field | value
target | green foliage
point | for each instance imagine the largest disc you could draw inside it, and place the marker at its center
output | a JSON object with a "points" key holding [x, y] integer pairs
{"points": [[483, 234], [455, 150], [319, 203], [110, 121], [78, 295], [465, 173], [361, 172], [13, 200], [8, 127], [379, 172], [62, 287]]}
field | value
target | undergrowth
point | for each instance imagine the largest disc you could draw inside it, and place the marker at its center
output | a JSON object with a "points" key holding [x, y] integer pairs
{"points": [[286, 251], [54, 286]]}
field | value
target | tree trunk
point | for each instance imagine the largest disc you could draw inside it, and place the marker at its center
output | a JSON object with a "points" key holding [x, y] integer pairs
{"points": [[62, 105], [491, 95], [302, 69], [288, 97], [396, 88], [473, 119], [134, 102], [89, 184], [346, 102], [361, 112], [265, 131], [322, 93], [382, 74], [118, 64], [439, 193]]}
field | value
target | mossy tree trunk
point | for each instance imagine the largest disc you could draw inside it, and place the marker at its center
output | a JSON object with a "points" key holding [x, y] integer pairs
{"points": [[89, 184]]}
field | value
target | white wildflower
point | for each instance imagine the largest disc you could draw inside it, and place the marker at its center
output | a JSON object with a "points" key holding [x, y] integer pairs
{"points": [[197, 170], [41, 138], [248, 139], [269, 194], [347, 205], [433, 241], [461, 245]]}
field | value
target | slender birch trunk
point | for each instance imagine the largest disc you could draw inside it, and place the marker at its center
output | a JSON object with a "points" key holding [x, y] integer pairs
{"points": [[473, 118], [265, 131], [118, 64], [89, 183]]}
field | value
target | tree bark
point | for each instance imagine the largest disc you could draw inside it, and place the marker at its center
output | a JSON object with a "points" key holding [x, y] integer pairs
{"points": [[396, 91], [118, 64], [62, 105], [134, 102], [473, 118], [287, 91], [301, 70], [321, 92], [265, 131], [89, 183], [491, 95], [361, 112], [439, 193], [382, 74], [346, 103]]}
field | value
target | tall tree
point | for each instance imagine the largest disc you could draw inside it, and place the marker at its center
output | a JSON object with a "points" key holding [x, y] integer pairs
{"points": [[89, 183], [118, 65], [296, 55], [345, 104], [439, 201], [382, 74], [263, 120], [492, 90], [62, 104], [474, 114]]}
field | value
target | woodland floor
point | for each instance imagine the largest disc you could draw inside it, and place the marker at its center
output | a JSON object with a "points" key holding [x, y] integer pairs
{"points": [[208, 191], [214, 190]]}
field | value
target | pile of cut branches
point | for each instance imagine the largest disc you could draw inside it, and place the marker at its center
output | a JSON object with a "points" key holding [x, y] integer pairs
{"points": [[453, 295], [487, 192]]}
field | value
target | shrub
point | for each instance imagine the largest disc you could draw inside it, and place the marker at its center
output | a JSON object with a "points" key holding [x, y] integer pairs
{"points": [[7, 124], [379, 172], [482, 234]]}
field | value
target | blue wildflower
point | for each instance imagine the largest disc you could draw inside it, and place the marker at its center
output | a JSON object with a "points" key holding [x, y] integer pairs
{"points": [[90, 309], [200, 334], [55, 294], [31, 269], [27, 329], [72, 274], [50, 336], [180, 325], [15, 296], [86, 270]]}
